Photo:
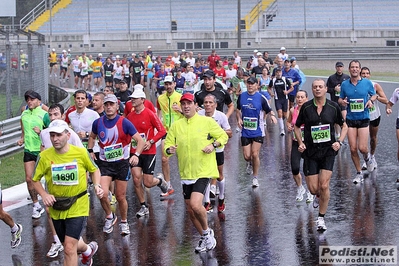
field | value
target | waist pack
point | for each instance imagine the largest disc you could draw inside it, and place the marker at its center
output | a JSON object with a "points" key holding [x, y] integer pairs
{"points": [[64, 203]]}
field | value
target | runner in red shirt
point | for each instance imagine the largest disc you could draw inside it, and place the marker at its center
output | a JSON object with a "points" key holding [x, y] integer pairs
{"points": [[212, 59]]}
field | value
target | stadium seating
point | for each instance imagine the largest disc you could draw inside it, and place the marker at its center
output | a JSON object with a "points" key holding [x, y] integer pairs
{"points": [[337, 14], [111, 16]]}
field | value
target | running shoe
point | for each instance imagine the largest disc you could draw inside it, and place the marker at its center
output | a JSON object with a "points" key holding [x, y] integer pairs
{"points": [[300, 192], [364, 166], [210, 241], [316, 201], [358, 179], [55, 249], [309, 197], [109, 224], [37, 212], [255, 182], [206, 242], [212, 191], [163, 185], [16, 237], [168, 193], [201, 247], [282, 132], [320, 224], [374, 161], [124, 228], [370, 165], [88, 260], [143, 211], [221, 205], [249, 168], [208, 207]]}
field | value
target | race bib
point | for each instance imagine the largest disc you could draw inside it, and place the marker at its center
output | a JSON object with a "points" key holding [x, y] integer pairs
{"points": [[258, 76], [179, 90], [161, 83], [356, 105], [64, 64], [76, 68], [263, 88], [84, 71], [97, 68], [321, 133], [219, 78], [118, 74], [65, 174], [114, 152], [134, 142], [372, 109], [137, 70], [107, 73], [250, 123], [337, 93], [85, 143]]}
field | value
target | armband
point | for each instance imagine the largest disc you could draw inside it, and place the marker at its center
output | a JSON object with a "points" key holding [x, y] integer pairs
{"points": [[90, 150]]}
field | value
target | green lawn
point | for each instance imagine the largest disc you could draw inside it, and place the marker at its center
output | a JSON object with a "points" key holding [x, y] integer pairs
{"points": [[12, 170]]}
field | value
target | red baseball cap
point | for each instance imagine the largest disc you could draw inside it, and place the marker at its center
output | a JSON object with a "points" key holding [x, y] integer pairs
{"points": [[187, 97]]}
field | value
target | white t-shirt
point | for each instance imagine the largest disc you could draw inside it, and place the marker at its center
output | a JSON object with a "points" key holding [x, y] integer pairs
{"points": [[190, 78], [118, 72], [395, 97], [283, 56], [237, 60], [46, 142], [222, 121], [229, 74], [83, 122], [191, 61], [75, 63], [176, 59], [84, 69]]}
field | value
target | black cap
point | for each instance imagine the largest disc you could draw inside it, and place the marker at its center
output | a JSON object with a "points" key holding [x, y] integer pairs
{"points": [[339, 64], [246, 73], [209, 74], [32, 94], [278, 69], [252, 80], [122, 81]]}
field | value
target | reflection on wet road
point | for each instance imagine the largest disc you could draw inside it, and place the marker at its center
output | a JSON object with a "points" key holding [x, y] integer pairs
{"points": [[262, 226]]}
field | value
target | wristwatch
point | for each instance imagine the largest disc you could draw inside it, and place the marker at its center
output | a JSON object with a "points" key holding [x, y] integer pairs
{"points": [[214, 145], [151, 141], [87, 134], [340, 143]]}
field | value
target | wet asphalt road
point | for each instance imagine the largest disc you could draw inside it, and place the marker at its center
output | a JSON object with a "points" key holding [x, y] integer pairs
{"points": [[262, 226]]}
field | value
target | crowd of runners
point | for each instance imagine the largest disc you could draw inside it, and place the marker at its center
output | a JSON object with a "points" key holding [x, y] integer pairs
{"points": [[109, 136]]}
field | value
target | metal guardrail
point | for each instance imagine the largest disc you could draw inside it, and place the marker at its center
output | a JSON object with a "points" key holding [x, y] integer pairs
{"points": [[11, 129], [35, 13]]}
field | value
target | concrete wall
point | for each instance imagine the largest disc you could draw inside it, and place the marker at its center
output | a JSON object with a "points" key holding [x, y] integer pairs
{"points": [[262, 39]]}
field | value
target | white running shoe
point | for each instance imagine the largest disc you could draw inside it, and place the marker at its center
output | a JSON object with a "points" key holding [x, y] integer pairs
{"points": [[255, 182], [374, 162], [320, 224], [37, 212], [309, 197], [55, 249], [300, 192], [358, 179], [370, 165], [249, 168], [364, 166], [210, 240], [282, 132]]}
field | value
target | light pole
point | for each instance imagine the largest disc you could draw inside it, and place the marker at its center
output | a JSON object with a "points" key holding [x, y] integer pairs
{"points": [[239, 23], [304, 21], [213, 26]]}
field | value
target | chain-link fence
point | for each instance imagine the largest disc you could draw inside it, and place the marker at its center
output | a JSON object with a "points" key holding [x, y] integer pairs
{"points": [[23, 66]]}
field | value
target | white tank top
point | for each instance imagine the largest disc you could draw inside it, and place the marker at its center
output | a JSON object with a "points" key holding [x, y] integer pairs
{"points": [[374, 112]]}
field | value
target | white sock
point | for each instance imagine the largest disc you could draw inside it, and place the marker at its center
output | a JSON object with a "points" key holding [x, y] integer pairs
{"points": [[37, 205], [14, 228], [206, 196], [205, 232], [281, 123], [88, 251], [221, 188], [56, 239]]}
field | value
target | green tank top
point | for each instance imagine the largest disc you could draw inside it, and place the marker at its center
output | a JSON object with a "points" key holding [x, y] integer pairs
{"points": [[30, 119]]}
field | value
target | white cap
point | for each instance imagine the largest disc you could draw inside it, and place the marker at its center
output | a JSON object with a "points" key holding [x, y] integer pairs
{"points": [[138, 93], [149, 47], [138, 87], [117, 57], [69, 50], [22, 51], [258, 53], [183, 50], [168, 79], [282, 48], [100, 54], [63, 51], [53, 50], [58, 126], [255, 51]]}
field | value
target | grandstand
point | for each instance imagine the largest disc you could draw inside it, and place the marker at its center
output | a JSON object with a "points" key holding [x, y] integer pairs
{"points": [[113, 16], [337, 14]]}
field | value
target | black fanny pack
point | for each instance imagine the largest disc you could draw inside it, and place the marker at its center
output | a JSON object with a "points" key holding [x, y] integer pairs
{"points": [[64, 203]]}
